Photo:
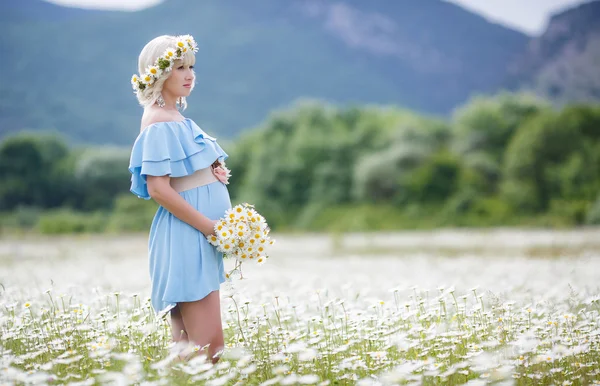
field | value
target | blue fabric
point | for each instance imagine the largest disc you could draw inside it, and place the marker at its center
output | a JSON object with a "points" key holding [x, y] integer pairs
{"points": [[176, 148], [183, 265]]}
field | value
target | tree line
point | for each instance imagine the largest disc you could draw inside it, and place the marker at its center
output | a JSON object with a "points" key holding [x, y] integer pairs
{"points": [[508, 159]]}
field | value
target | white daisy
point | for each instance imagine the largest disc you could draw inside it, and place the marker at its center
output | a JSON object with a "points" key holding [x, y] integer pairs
{"points": [[220, 245], [148, 79], [241, 230], [227, 247], [230, 214], [170, 53], [181, 48], [190, 41], [154, 71], [224, 234], [239, 211], [213, 240]]}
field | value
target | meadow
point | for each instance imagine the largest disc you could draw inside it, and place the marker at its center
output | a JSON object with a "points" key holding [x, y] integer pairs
{"points": [[476, 307]]}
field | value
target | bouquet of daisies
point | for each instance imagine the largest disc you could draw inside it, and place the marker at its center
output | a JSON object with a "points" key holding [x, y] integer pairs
{"points": [[242, 234]]}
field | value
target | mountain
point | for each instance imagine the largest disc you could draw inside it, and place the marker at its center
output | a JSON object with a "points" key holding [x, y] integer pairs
{"points": [[563, 64], [69, 69]]}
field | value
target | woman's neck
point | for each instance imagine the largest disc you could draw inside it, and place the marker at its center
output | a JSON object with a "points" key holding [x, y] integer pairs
{"points": [[170, 101]]}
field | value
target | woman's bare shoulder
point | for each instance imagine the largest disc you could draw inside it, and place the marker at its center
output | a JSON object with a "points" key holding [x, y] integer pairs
{"points": [[152, 116]]}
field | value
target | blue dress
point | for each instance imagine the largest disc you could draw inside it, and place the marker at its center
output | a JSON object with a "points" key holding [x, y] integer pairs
{"points": [[183, 266]]}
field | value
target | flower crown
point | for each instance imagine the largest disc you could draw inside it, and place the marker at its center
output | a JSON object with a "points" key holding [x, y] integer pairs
{"points": [[164, 63]]}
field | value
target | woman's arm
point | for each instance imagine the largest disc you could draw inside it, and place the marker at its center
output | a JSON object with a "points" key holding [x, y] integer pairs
{"points": [[161, 191]]}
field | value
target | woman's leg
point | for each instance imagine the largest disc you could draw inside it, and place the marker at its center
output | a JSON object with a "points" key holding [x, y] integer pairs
{"points": [[202, 321], [177, 327]]}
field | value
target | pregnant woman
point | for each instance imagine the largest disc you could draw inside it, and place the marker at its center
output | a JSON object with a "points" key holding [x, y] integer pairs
{"points": [[181, 167]]}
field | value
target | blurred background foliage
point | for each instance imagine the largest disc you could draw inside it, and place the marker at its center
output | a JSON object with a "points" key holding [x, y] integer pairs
{"points": [[503, 160], [389, 138]]}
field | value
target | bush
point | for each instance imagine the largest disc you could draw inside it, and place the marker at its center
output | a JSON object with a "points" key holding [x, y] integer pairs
{"points": [[67, 221], [593, 214], [131, 214], [493, 211], [101, 174], [537, 149], [375, 217], [461, 203], [23, 217], [572, 211], [487, 123], [27, 163], [435, 180]]}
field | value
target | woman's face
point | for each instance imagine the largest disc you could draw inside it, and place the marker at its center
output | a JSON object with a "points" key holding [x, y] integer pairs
{"points": [[181, 81]]}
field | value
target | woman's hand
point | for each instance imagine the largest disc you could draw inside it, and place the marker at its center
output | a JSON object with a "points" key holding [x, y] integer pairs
{"points": [[221, 172], [210, 228]]}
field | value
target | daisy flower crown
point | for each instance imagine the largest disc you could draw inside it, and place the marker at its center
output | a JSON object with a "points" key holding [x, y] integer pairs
{"points": [[164, 63]]}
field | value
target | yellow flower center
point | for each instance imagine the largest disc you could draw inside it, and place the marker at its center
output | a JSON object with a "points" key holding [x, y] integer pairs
{"points": [[153, 71], [180, 44]]}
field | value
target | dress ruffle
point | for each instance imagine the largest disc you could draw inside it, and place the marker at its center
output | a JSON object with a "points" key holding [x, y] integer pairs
{"points": [[175, 148]]}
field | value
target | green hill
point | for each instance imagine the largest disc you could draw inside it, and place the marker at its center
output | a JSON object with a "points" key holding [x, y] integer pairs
{"points": [[70, 69]]}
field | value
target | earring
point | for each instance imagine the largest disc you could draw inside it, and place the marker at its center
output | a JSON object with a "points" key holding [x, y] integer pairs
{"points": [[160, 101]]}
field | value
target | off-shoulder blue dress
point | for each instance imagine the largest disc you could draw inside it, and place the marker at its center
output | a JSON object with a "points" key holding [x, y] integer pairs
{"points": [[183, 266]]}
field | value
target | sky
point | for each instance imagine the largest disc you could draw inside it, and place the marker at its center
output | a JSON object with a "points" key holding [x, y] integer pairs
{"points": [[529, 16]]}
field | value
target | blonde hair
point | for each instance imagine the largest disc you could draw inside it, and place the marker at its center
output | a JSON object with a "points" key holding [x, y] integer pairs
{"points": [[152, 51]]}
